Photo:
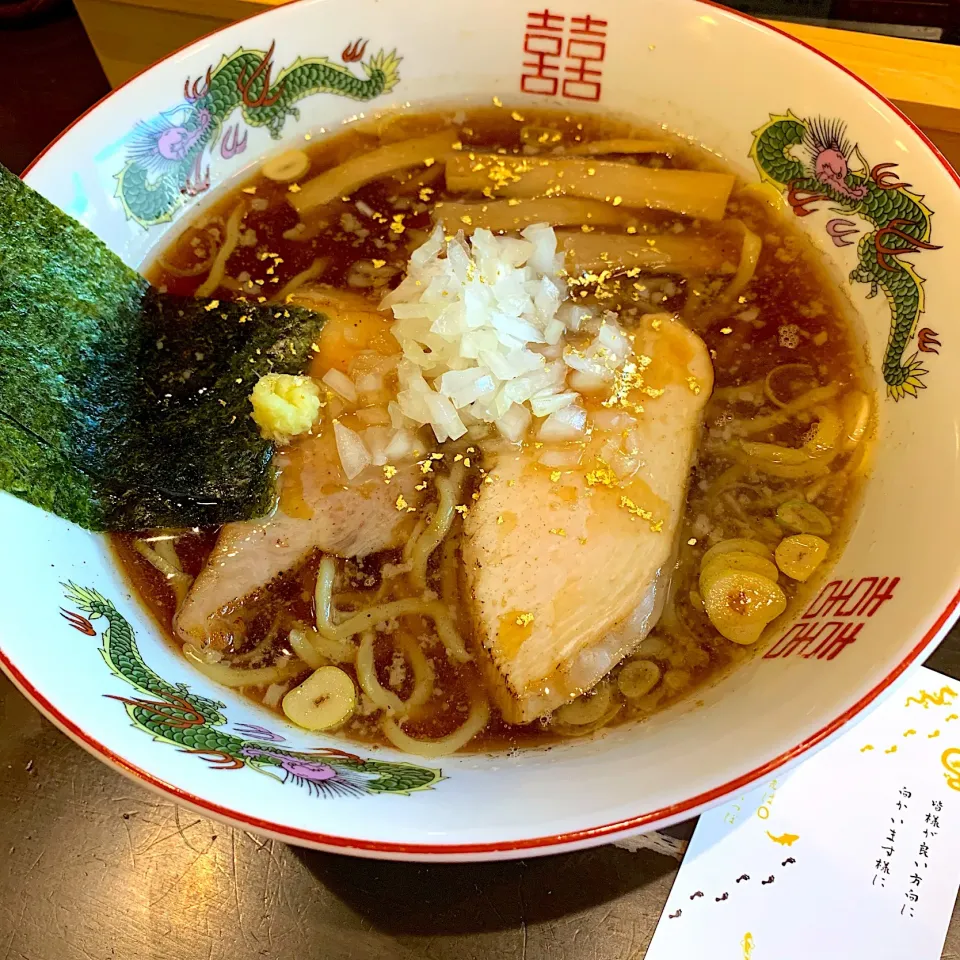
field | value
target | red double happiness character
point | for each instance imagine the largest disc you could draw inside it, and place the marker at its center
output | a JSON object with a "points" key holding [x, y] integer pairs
{"points": [[585, 51], [543, 45]]}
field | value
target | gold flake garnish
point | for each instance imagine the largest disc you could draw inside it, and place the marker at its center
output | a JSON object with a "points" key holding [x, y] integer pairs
{"points": [[249, 190], [426, 466], [429, 162], [627, 379], [389, 471], [694, 384], [426, 193], [294, 188], [558, 531], [692, 542], [555, 475], [631, 229], [726, 330], [401, 504], [467, 219], [617, 201], [525, 619], [500, 518], [636, 511], [378, 263], [397, 226], [517, 116], [212, 305], [461, 508], [602, 476], [458, 458], [586, 228], [421, 486], [466, 462], [497, 102]]}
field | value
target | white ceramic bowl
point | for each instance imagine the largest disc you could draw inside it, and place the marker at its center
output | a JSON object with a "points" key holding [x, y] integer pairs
{"points": [[747, 92]]}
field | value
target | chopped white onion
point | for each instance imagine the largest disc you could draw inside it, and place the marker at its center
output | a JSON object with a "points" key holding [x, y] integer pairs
{"points": [[376, 440], [397, 419], [623, 465], [403, 444], [369, 383], [513, 425], [443, 417], [553, 331], [587, 382], [466, 316], [354, 456], [613, 421], [571, 315], [593, 361], [374, 416], [547, 403], [564, 458], [566, 424], [340, 383]]}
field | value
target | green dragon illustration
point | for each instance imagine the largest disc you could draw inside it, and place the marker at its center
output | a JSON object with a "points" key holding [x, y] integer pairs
{"points": [[172, 714], [810, 160], [165, 154]]}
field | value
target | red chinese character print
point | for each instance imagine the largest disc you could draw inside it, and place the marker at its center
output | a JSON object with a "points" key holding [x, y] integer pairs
{"points": [[548, 45], [585, 50], [543, 45], [835, 618]]}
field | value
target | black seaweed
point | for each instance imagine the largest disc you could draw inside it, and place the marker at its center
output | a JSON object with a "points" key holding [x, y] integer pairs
{"points": [[122, 407]]}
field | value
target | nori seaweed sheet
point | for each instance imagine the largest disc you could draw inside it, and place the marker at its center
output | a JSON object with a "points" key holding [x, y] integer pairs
{"points": [[122, 407]]}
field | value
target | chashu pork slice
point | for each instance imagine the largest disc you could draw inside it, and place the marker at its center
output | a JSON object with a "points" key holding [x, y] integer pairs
{"points": [[565, 574], [318, 510]]}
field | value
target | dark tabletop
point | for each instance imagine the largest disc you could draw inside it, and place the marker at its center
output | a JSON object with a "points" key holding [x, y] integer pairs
{"points": [[96, 867]]}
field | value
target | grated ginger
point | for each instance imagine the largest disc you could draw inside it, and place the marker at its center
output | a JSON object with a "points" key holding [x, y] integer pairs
{"points": [[285, 405]]}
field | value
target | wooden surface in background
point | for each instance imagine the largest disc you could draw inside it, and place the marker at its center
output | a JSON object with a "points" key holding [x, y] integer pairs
{"points": [[923, 79], [96, 866]]}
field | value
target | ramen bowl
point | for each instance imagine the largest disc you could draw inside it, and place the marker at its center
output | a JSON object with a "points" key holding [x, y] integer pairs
{"points": [[136, 165]]}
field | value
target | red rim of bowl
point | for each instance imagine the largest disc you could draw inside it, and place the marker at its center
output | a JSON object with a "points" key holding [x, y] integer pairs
{"points": [[368, 847]]}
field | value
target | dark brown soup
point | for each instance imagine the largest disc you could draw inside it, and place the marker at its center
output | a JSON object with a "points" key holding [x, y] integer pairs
{"points": [[778, 460]]}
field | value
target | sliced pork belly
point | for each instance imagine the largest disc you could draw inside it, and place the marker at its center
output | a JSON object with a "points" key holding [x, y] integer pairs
{"points": [[318, 510], [565, 576]]}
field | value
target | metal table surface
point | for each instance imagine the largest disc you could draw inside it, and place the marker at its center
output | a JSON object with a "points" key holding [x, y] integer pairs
{"points": [[96, 867]]}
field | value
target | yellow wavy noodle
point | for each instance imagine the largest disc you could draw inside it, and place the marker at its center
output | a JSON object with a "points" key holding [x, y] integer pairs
{"points": [[477, 719], [230, 242]]}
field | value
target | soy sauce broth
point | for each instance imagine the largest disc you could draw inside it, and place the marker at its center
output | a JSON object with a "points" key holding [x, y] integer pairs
{"points": [[790, 313]]}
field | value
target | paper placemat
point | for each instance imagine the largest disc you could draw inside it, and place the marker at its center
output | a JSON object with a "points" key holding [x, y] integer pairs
{"points": [[851, 856]]}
